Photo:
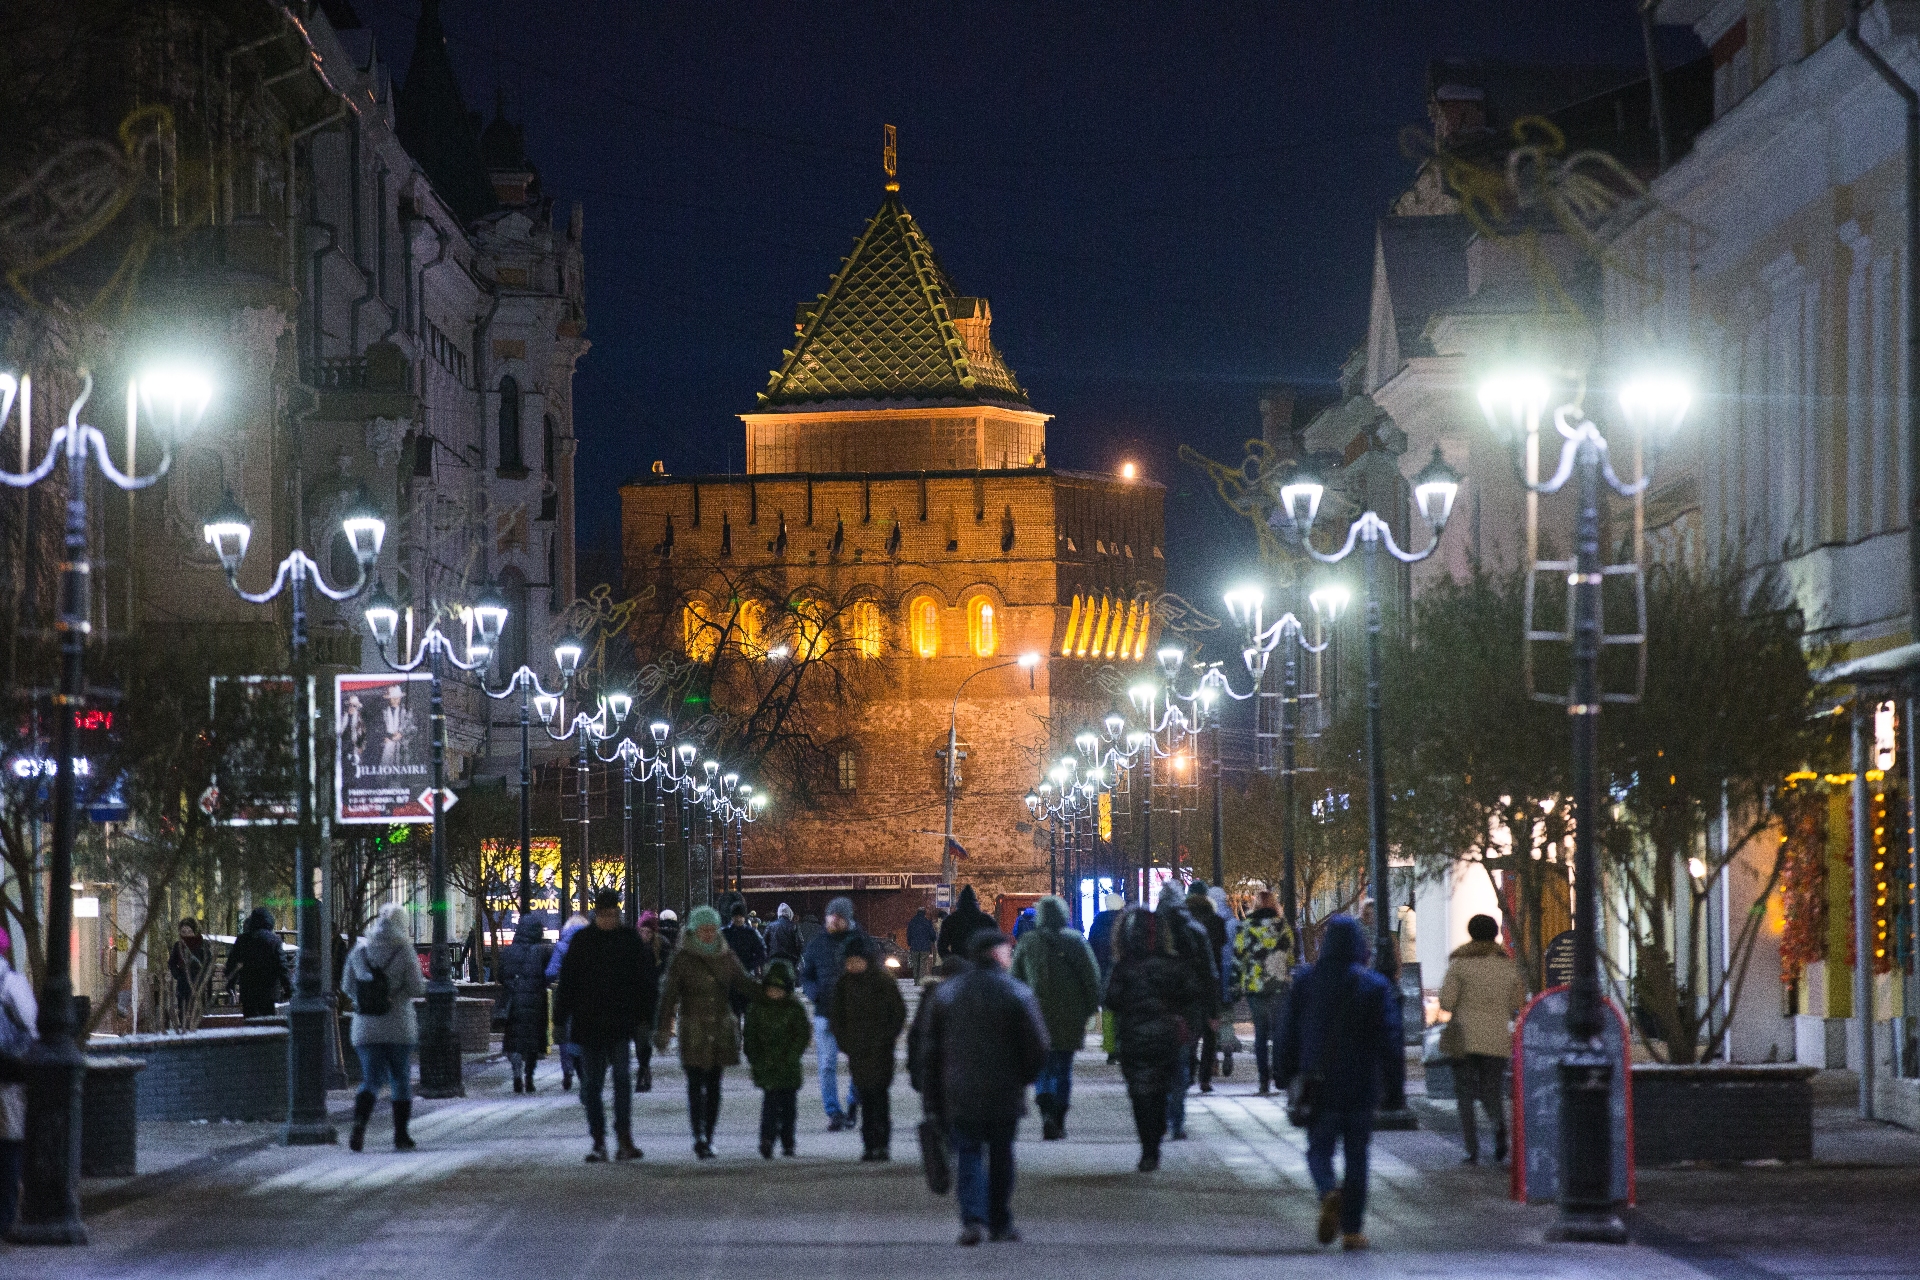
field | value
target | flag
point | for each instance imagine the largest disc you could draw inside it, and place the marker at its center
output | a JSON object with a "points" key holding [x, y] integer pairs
{"points": [[955, 848]]}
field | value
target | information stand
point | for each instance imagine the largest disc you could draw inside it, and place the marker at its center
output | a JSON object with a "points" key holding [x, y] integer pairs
{"points": [[1540, 1040]]}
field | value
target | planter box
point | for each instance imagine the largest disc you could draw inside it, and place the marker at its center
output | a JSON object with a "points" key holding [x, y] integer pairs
{"points": [[1722, 1113], [472, 1022], [230, 1074]]}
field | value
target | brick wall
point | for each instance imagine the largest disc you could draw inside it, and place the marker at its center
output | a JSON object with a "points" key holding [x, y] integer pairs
{"points": [[237, 1074]]}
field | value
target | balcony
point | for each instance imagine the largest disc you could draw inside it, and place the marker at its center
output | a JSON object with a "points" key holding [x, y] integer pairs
{"points": [[378, 384]]}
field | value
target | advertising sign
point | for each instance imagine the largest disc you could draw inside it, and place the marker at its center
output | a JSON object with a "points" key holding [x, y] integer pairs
{"points": [[382, 765], [256, 773], [1540, 1040]]}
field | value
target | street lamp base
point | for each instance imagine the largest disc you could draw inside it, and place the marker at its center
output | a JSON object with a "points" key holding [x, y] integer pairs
{"points": [[322, 1134], [1602, 1226], [70, 1232], [439, 1046], [49, 1212], [1396, 1118]]}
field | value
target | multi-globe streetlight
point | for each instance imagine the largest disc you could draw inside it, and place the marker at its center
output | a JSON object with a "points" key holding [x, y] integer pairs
{"points": [[566, 657], [229, 531], [1515, 402], [587, 731], [175, 400]]}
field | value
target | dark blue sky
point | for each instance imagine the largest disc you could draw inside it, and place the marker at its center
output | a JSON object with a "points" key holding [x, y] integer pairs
{"points": [[1171, 206]]}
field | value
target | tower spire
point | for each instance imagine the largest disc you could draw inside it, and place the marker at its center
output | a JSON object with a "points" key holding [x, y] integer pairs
{"points": [[890, 157]]}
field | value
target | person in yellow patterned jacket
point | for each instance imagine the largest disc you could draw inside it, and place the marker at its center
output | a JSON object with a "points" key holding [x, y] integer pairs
{"points": [[1264, 950]]}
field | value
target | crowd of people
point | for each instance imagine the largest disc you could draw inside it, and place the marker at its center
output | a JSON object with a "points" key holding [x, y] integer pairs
{"points": [[996, 1015]]}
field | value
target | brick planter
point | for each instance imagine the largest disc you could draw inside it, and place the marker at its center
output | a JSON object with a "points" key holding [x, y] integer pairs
{"points": [[235, 1073], [1722, 1113], [472, 1021], [109, 1128]]}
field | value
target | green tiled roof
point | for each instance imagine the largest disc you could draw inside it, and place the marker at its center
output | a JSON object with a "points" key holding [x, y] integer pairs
{"points": [[884, 329]]}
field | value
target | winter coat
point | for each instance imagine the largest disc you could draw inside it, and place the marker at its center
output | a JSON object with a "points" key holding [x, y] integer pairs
{"points": [[783, 940], [1213, 924], [985, 1043], [559, 956], [188, 960], [778, 1033], [1483, 991], [694, 999], [1263, 950], [1342, 1025], [820, 966], [866, 1017], [1056, 962], [608, 987], [1151, 992], [16, 1001], [523, 972], [921, 935], [256, 964], [1100, 938], [1186, 941], [394, 956], [746, 944], [967, 917], [952, 967]]}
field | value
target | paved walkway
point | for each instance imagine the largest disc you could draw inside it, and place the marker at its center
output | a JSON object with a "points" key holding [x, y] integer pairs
{"points": [[498, 1187]]}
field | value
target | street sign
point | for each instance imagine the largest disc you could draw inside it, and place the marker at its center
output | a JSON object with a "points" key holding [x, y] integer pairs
{"points": [[1540, 1040], [447, 799], [943, 897]]}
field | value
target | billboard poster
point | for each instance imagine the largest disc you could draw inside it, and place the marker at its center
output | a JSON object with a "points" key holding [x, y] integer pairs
{"points": [[382, 764], [255, 722]]}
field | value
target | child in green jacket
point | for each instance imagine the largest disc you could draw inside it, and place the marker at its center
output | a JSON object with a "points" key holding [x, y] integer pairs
{"points": [[778, 1033]]}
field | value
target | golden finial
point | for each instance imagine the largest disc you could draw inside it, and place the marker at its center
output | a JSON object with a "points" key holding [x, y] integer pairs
{"points": [[890, 158]]}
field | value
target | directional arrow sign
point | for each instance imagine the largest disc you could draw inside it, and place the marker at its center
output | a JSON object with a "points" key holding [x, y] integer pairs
{"points": [[447, 799]]}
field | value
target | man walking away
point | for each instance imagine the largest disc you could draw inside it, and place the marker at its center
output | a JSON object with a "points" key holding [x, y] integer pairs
{"points": [[608, 986], [1264, 951], [778, 1033], [1200, 907], [1148, 995], [1058, 966], [383, 977], [866, 1016], [1100, 936], [746, 946], [921, 938], [967, 917], [1483, 991], [256, 966], [1188, 943], [783, 937], [985, 1043], [1341, 1038], [523, 972], [820, 966]]}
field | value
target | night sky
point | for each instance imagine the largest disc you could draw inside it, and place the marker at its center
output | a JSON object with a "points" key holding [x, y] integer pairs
{"points": [[1171, 207]]}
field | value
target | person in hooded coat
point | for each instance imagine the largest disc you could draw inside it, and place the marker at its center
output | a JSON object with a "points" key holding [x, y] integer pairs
{"points": [[866, 1017], [783, 937], [922, 937], [569, 1050], [1200, 906], [1483, 991], [1150, 993], [257, 967], [523, 972], [384, 1040], [966, 919], [648, 926], [777, 1035], [702, 974], [1188, 942], [1058, 966], [1341, 1035]]}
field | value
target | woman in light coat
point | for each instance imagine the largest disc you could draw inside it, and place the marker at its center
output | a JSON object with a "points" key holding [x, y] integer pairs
{"points": [[1483, 991], [384, 1040], [18, 1005]]}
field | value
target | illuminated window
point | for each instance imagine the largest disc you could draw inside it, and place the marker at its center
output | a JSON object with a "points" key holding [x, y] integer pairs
{"points": [[849, 771], [983, 627], [810, 638], [699, 634], [923, 626], [750, 626], [863, 628]]}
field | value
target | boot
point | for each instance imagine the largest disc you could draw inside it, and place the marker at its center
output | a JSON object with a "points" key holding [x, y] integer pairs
{"points": [[1266, 1084], [402, 1113], [643, 1082], [362, 1112], [626, 1150], [530, 1067]]}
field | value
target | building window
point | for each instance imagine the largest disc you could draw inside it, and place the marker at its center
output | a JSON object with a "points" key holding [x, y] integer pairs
{"points": [[983, 627], [699, 636], [923, 626], [750, 627], [510, 459], [849, 771], [863, 628], [810, 637]]}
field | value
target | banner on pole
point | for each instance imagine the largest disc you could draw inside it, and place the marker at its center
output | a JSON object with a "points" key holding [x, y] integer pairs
{"points": [[381, 765], [256, 773]]}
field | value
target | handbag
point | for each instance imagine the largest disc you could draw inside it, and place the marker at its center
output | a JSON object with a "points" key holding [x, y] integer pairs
{"points": [[934, 1159], [1301, 1101], [1453, 1041]]}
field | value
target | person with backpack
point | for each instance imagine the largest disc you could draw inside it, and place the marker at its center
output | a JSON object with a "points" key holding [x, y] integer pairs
{"points": [[1340, 1047], [1187, 941], [19, 1018], [1263, 952], [1150, 994], [383, 976], [866, 1017], [523, 972], [778, 1033], [1058, 965]]}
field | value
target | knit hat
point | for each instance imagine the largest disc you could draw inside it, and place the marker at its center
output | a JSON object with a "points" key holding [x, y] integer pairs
{"points": [[1197, 888], [607, 900], [779, 974], [842, 907], [858, 945], [647, 918], [701, 917], [668, 914]]}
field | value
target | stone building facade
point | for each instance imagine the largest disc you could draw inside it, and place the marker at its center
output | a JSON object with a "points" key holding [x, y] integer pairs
{"points": [[898, 521]]}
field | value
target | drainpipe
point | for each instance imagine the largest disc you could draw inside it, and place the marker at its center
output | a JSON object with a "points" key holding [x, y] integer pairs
{"points": [[1911, 290], [1656, 89]]}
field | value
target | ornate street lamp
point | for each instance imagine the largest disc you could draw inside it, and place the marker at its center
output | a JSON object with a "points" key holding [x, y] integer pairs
{"points": [[228, 531], [567, 659], [1434, 489], [1654, 404]]}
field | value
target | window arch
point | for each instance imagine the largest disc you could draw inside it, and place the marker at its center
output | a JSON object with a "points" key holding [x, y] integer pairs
{"points": [[750, 626], [863, 628], [699, 635], [810, 636], [510, 455], [983, 627], [923, 626]]}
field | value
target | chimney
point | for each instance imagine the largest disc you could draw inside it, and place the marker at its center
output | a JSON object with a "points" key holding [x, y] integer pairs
{"points": [[1456, 109], [1276, 419], [972, 319]]}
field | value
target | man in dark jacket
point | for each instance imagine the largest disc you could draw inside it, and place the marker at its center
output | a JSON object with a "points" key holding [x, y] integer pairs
{"points": [[256, 966], [985, 1042], [1342, 1035], [958, 927], [866, 1015], [921, 937], [820, 966], [608, 988], [1057, 965], [1200, 907], [1190, 945], [747, 948], [783, 937]]}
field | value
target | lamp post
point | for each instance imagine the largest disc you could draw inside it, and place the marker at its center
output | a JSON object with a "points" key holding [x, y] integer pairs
{"points": [[1031, 661], [54, 1068], [1434, 489], [1654, 404], [228, 531], [610, 711], [566, 656], [1149, 697], [439, 1044]]}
